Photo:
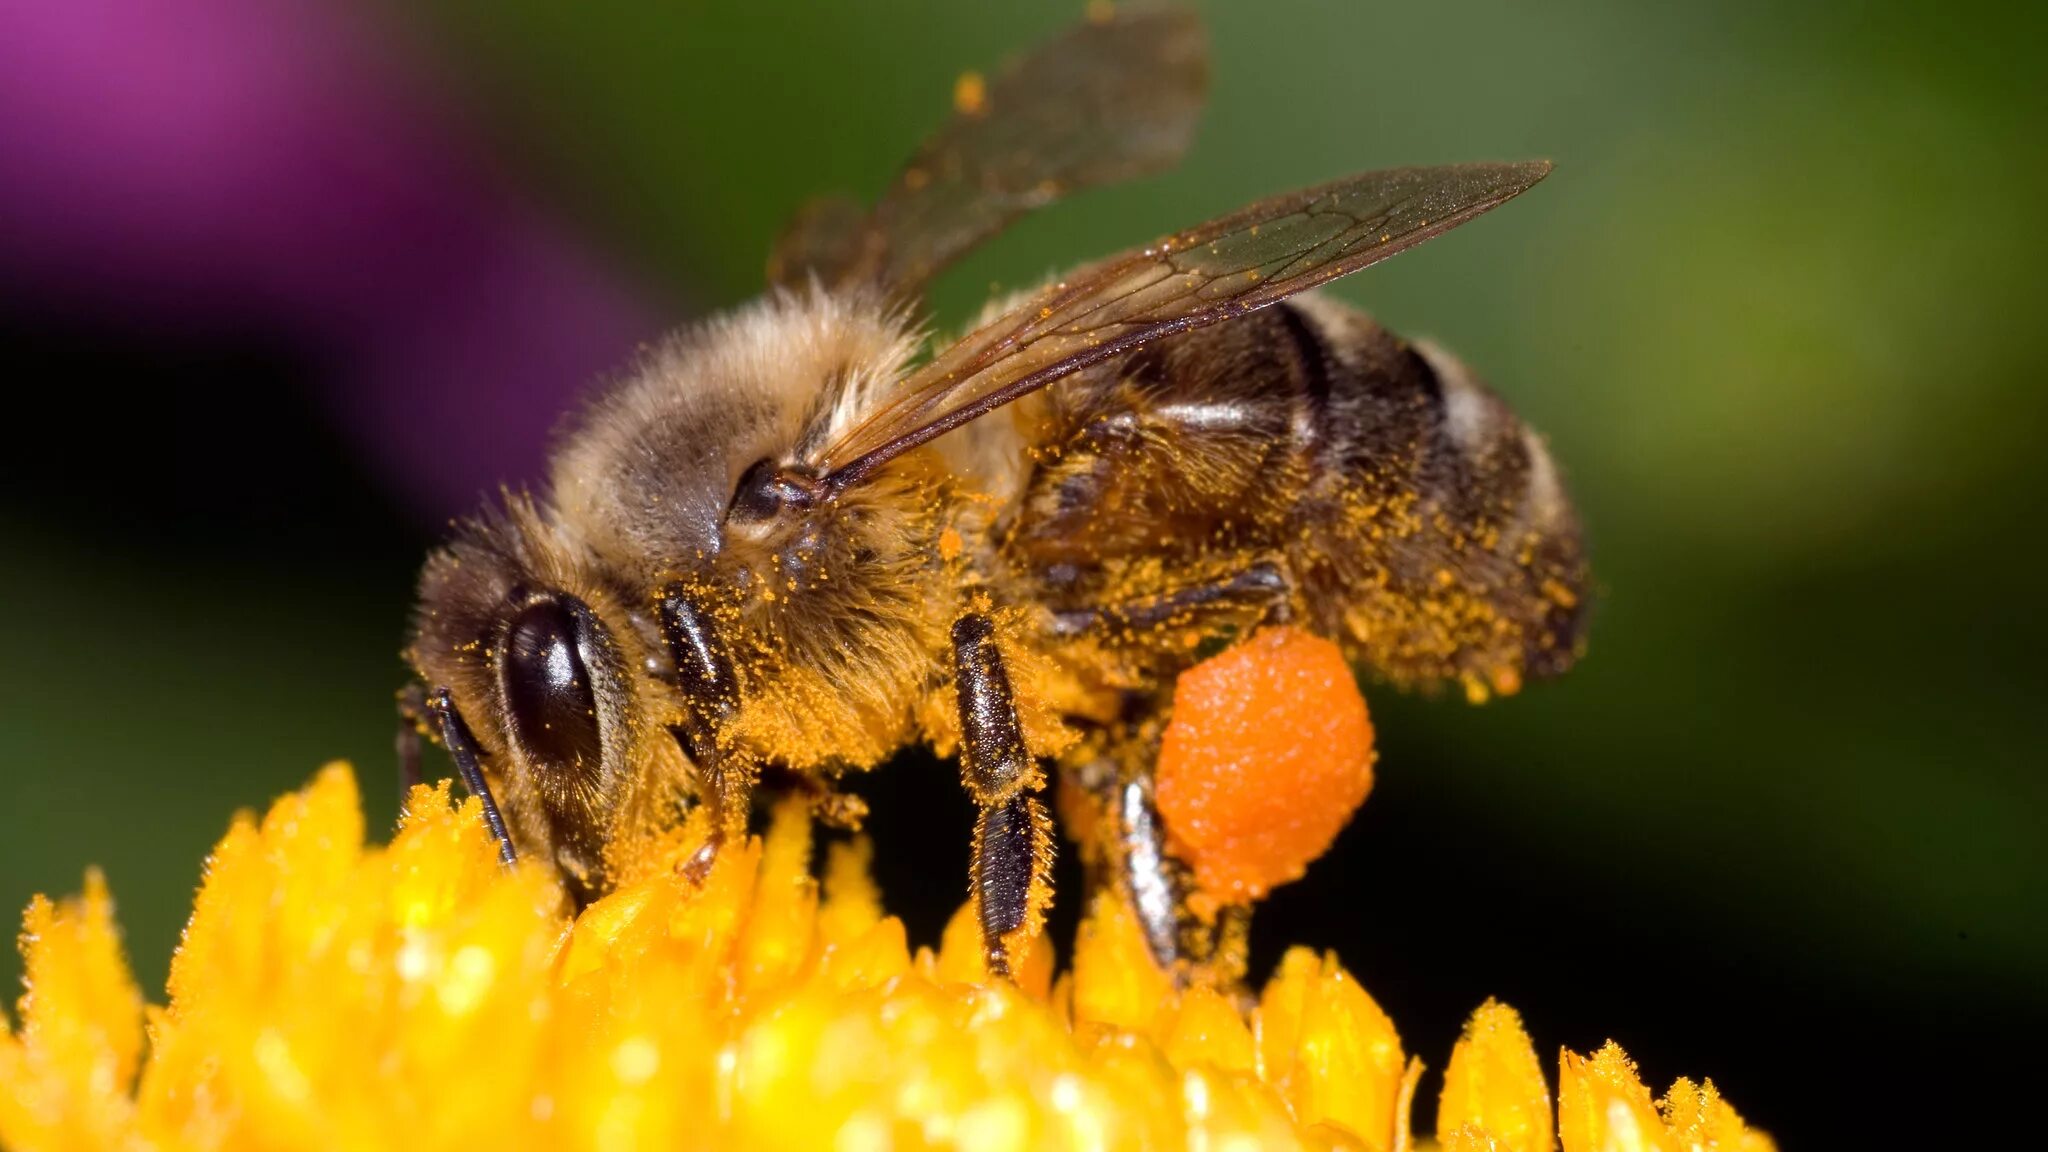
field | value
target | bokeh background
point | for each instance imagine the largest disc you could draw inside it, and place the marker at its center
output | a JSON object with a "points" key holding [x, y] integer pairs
{"points": [[282, 287]]}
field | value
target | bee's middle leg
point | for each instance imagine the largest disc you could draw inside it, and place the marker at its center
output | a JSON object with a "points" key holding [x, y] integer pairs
{"points": [[1011, 881]]}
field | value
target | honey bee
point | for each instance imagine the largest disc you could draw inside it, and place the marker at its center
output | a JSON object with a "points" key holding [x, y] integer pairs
{"points": [[788, 543]]}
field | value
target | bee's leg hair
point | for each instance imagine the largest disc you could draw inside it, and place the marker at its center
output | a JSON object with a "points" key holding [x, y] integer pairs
{"points": [[1013, 836], [462, 747]]}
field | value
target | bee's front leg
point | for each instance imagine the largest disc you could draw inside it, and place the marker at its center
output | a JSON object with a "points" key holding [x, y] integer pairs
{"points": [[709, 684], [1012, 872]]}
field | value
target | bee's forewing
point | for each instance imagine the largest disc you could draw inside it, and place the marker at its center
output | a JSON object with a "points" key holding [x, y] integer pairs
{"points": [[1225, 268]]}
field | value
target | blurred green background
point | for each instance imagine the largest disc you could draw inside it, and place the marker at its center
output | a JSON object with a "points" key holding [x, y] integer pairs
{"points": [[1779, 310]]}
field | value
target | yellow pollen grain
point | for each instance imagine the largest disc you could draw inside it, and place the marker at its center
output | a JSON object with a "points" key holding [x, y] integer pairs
{"points": [[970, 94], [950, 545], [1506, 681]]}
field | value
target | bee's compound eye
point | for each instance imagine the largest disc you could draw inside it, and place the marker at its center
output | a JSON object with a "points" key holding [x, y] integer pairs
{"points": [[546, 680]]}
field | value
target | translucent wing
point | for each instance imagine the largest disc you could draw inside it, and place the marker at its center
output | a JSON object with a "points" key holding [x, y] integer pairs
{"points": [[1110, 99], [1225, 268]]}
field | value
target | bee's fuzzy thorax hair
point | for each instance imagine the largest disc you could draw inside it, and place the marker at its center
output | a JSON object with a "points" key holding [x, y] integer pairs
{"points": [[651, 463]]}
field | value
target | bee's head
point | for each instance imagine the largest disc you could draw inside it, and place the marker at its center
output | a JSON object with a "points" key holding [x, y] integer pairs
{"points": [[539, 661], [692, 480]]}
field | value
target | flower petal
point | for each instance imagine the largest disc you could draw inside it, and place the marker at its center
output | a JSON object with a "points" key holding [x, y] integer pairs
{"points": [[1329, 1049], [1494, 1095], [65, 1078]]}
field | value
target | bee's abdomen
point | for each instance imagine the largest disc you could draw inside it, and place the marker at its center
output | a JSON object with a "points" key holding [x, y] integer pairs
{"points": [[1434, 535], [1415, 518]]}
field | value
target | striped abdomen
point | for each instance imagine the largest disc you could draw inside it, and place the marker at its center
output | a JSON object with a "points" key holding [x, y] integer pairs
{"points": [[1398, 504]]}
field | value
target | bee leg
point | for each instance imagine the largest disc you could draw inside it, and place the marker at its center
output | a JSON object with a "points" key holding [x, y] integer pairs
{"points": [[710, 687], [728, 794], [1259, 585], [1011, 880], [1207, 948], [462, 747], [1153, 881], [831, 807]]}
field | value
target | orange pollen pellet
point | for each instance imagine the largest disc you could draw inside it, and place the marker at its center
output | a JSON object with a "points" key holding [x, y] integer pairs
{"points": [[1268, 754]]}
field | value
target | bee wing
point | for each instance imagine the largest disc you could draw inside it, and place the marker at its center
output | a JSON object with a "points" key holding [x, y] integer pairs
{"points": [[1110, 99], [1219, 270]]}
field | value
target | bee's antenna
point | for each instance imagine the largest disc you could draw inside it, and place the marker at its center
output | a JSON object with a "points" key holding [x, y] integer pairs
{"points": [[461, 746], [412, 712]]}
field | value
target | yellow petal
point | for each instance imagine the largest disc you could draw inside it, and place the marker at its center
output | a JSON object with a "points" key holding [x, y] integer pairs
{"points": [[65, 1078], [1603, 1107], [777, 940], [1228, 1111], [1494, 1095], [1329, 1048], [1702, 1121], [422, 995], [1116, 983], [963, 960], [853, 904], [1209, 1031], [345, 1024]]}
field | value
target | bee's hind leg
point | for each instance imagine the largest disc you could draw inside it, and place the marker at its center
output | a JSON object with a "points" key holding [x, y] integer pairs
{"points": [[1108, 803], [1206, 947], [1011, 882], [1152, 880]]}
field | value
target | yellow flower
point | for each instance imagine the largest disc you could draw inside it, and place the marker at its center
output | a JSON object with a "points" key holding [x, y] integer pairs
{"points": [[329, 995]]}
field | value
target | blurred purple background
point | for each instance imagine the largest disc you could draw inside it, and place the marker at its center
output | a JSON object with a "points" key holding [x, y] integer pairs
{"points": [[280, 171]]}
